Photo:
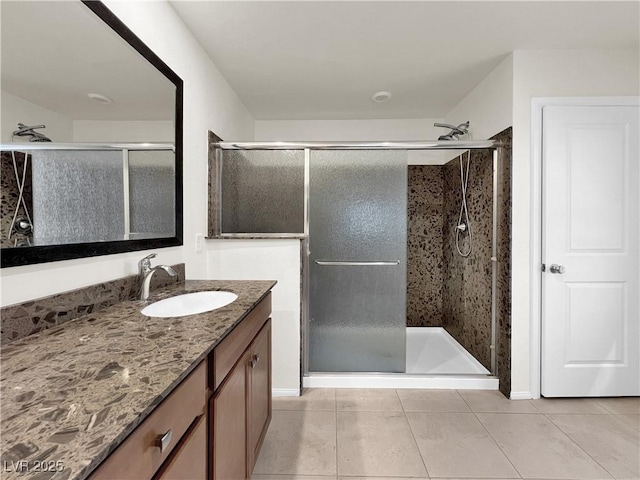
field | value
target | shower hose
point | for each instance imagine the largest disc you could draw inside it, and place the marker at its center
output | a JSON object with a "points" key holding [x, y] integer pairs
{"points": [[464, 224]]}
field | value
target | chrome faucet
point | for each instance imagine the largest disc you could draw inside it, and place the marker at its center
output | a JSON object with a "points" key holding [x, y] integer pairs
{"points": [[146, 271]]}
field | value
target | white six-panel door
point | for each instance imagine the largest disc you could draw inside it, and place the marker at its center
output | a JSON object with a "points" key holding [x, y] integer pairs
{"points": [[590, 225]]}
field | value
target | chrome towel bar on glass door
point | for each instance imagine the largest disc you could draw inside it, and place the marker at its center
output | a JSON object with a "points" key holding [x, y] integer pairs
{"points": [[354, 263]]}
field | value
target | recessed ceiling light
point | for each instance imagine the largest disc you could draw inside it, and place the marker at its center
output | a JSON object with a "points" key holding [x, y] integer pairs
{"points": [[380, 97], [100, 98]]}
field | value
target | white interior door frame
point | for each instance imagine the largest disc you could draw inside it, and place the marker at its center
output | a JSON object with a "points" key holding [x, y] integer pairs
{"points": [[537, 104]]}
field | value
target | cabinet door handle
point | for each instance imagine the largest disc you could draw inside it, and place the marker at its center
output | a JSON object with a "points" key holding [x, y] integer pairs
{"points": [[254, 361], [163, 441]]}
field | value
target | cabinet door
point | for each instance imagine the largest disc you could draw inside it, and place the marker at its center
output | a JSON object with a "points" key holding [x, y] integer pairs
{"points": [[260, 392], [229, 413], [189, 458]]}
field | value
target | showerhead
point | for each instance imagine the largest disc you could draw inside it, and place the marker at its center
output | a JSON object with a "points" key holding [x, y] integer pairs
{"points": [[462, 129], [29, 131]]}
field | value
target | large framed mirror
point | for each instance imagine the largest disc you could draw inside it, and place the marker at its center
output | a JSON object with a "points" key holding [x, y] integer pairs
{"points": [[91, 136]]}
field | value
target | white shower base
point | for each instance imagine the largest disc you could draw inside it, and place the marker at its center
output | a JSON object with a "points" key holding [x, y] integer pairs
{"points": [[434, 360], [433, 350]]}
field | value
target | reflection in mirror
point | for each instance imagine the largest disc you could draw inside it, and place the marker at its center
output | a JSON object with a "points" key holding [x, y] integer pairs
{"points": [[59, 194], [91, 127]]}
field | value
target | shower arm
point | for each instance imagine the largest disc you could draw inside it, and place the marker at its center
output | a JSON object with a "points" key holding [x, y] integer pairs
{"points": [[29, 131], [462, 129]]}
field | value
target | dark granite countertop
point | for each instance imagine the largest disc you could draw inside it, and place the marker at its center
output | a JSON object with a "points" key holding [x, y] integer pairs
{"points": [[71, 394]]}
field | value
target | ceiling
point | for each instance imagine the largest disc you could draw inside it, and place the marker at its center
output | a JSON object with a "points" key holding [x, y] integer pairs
{"points": [[324, 60], [54, 53]]}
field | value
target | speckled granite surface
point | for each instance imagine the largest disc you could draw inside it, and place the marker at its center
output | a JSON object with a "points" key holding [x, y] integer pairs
{"points": [[9, 194], [424, 245], [214, 168], [72, 393], [33, 316], [467, 281], [503, 313]]}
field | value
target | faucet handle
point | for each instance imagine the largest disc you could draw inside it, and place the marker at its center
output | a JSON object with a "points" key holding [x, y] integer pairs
{"points": [[145, 264]]}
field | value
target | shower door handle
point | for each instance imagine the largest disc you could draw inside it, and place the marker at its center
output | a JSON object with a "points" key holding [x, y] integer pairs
{"points": [[356, 263]]}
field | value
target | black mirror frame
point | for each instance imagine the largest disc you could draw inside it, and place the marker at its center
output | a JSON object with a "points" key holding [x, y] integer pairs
{"points": [[13, 257]]}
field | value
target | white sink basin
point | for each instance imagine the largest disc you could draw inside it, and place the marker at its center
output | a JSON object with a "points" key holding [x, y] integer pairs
{"points": [[189, 304]]}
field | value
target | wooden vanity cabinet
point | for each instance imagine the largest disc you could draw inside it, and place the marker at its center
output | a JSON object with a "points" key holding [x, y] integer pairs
{"points": [[240, 408], [214, 422]]}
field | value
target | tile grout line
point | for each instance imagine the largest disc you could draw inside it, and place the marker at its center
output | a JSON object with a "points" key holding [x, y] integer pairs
{"points": [[491, 436], [576, 443], [594, 400], [413, 436]]}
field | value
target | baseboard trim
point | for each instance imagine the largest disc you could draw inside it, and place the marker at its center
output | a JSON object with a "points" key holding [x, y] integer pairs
{"points": [[521, 396], [403, 380], [285, 392]]}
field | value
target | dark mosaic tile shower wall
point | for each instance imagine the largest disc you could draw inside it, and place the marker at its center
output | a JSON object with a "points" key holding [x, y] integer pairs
{"points": [[10, 195], [503, 314], [445, 289], [424, 246], [467, 281]]}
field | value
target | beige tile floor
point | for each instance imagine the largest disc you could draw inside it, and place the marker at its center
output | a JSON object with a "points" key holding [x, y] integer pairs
{"points": [[386, 434]]}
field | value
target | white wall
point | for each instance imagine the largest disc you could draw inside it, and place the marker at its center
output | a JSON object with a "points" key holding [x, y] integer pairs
{"points": [[502, 99], [209, 103], [549, 73], [347, 130], [489, 106], [59, 128], [63, 129], [356, 130], [118, 131], [269, 260]]}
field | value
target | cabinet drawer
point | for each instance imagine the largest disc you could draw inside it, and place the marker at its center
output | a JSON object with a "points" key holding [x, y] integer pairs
{"points": [[139, 456], [189, 459], [227, 352]]}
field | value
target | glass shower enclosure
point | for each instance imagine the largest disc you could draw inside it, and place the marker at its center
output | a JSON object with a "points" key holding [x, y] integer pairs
{"points": [[357, 260], [352, 199], [349, 209]]}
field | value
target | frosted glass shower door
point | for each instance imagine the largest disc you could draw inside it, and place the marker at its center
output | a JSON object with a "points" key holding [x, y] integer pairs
{"points": [[357, 260]]}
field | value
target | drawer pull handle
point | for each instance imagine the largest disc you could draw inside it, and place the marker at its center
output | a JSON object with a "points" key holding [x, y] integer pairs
{"points": [[254, 361], [163, 441]]}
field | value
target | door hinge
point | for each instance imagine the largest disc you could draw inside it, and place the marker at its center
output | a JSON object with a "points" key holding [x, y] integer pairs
{"points": [[544, 267]]}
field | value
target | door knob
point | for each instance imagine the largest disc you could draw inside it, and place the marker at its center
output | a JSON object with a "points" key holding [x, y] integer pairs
{"points": [[556, 269]]}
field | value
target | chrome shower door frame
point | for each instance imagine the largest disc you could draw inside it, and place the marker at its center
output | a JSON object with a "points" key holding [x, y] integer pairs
{"points": [[457, 145]]}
